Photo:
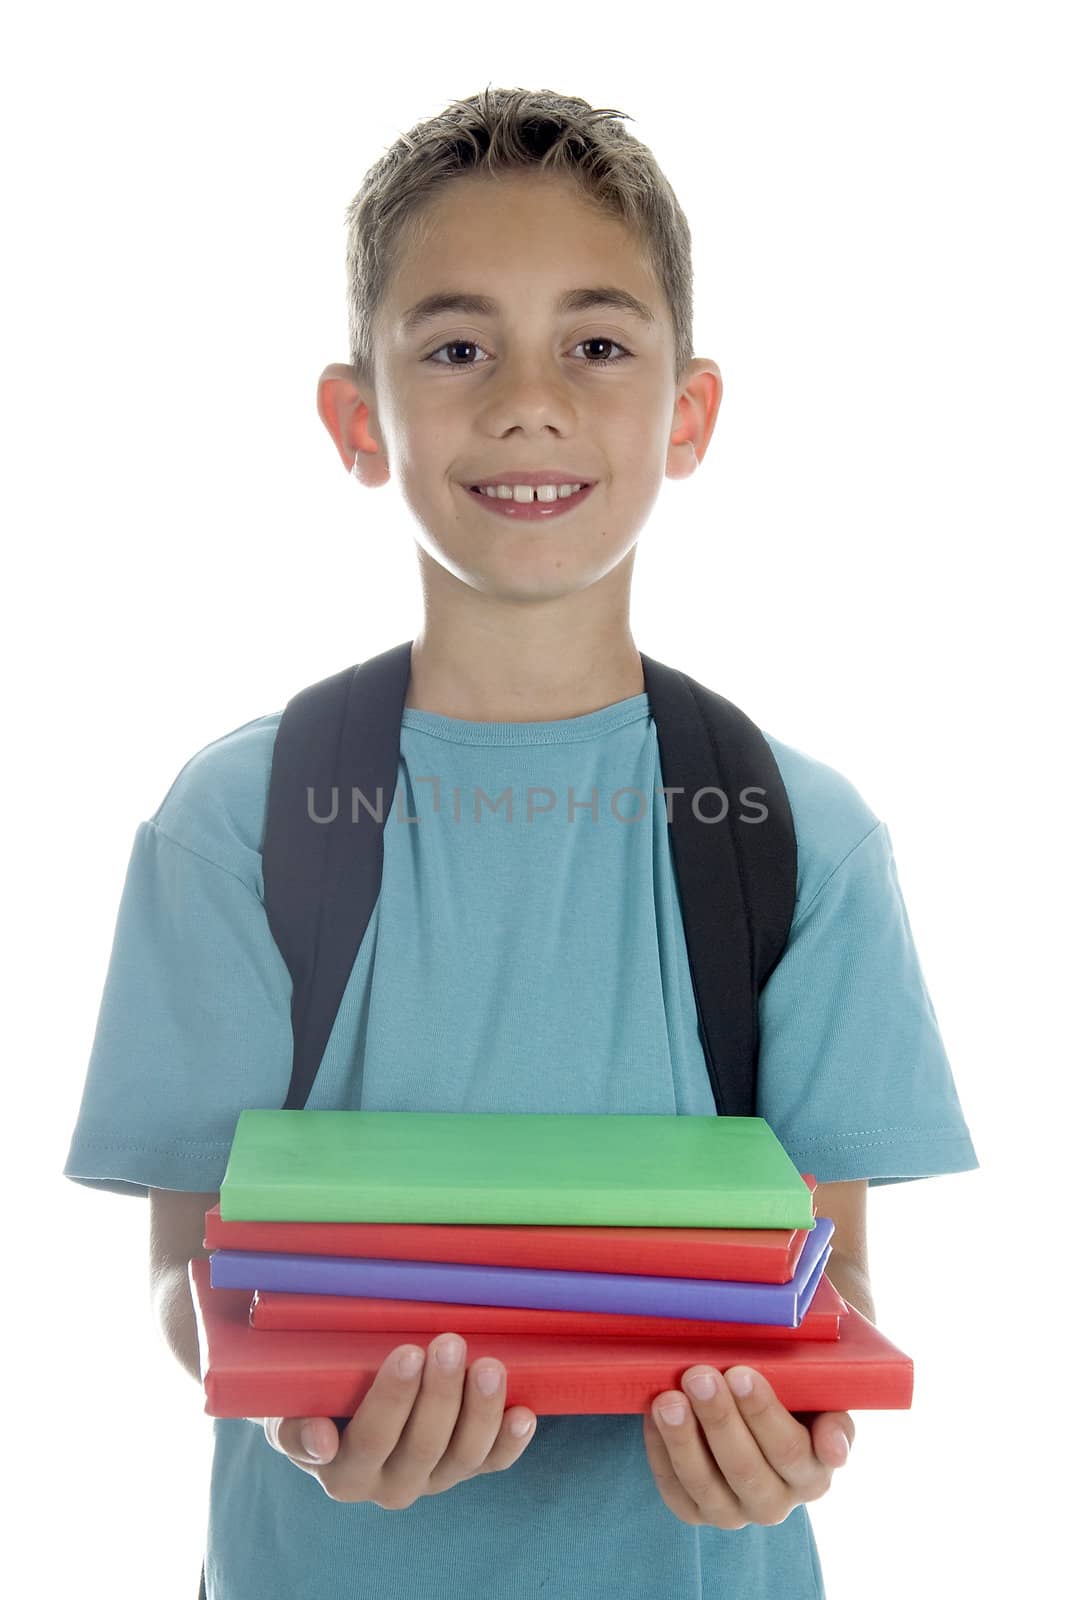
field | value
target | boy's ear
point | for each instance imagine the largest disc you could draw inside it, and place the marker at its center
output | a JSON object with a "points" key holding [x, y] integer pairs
{"points": [[346, 416], [697, 408]]}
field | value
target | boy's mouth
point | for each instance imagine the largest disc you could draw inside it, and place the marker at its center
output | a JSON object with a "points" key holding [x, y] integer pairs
{"points": [[532, 510]]}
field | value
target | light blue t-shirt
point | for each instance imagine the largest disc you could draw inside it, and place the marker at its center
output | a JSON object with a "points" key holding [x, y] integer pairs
{"points": [[530, 960]]}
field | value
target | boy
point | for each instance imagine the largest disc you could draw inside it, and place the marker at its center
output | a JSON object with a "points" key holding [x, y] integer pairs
{"points": [[517, 966]]}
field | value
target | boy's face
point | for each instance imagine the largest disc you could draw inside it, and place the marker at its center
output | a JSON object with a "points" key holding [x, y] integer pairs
{"points": [[468, 394]]}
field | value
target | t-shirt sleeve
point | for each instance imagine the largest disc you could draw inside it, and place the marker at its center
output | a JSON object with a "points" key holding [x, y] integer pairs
{"points": [[853, 1075], [194, 1025]]}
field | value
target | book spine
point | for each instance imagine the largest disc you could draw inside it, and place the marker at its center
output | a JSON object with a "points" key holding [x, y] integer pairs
{"points": [[318, 1202]]}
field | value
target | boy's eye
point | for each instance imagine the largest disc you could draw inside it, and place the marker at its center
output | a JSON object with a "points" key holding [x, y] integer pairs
{"points": [[590, 361]]}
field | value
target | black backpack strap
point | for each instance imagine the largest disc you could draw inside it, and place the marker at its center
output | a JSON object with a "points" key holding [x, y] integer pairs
{"points": [[736, 878], [322, 867]]}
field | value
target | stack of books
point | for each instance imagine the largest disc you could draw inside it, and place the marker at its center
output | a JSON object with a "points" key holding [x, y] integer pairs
{"points": [[596, 1257]]}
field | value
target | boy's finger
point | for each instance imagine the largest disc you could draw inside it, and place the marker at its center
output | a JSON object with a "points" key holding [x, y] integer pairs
{"points": [[750, 1479], [432, 1420], [672, 1493], [472, 1416], [514, 1434], [381, 1416], [773, 1433], [700, 1481], [832, 1433], [309, 1441]]}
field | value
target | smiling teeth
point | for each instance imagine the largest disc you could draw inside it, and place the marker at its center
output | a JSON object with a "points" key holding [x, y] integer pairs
{"points": [[524, 492]]}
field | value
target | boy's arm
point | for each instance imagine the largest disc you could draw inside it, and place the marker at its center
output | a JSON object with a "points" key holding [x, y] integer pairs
{"points": [[177, 1236], [846, 1204]]}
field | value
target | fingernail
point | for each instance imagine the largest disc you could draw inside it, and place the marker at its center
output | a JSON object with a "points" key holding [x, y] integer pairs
{"points": [[672, 1414], [449, 1354], [409, 1363], [520, 1425], [487, 1379], [307, 1442], [703, 1385], [740, 1383], [840, 1439]]}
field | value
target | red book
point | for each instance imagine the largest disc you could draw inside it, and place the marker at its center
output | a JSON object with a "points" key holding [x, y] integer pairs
{"points": [[742, 1255], [249, 1373], [272, 1309]]}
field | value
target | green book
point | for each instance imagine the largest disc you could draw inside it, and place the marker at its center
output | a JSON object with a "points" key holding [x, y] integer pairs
{"points": [[498, 1167]]}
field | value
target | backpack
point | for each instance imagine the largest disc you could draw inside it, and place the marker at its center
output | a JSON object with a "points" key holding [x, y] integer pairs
{"points": [[321, 878]]}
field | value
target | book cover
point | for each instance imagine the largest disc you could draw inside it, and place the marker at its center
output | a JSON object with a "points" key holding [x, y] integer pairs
{"points": [[496, 1167]]}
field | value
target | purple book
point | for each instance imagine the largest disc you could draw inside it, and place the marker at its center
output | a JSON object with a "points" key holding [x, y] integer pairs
{"points": [[708, 1299]]}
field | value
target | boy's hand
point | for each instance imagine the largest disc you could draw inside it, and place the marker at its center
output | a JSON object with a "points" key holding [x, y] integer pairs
{"points": [[411, 1434], [733, 1460]]}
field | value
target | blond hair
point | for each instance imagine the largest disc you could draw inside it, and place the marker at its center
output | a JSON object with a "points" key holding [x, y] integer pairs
{"points": [[506, 130]]}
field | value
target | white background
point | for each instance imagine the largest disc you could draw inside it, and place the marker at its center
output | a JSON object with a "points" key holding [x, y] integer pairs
{"points": [[864, 562]]}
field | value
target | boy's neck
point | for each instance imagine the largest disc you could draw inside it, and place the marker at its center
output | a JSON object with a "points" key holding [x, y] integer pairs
{"points": [[495, 680]]}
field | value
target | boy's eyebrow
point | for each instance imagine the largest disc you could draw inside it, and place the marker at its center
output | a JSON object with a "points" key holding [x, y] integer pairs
{"points": [[479, 305]]}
